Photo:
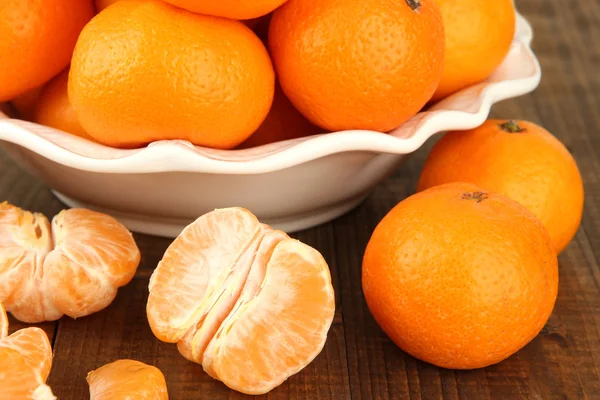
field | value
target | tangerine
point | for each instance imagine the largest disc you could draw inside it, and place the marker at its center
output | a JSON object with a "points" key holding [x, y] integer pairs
{"points": [[37, 41], [247, 302], [520, 160], [25, 363], [478, 37], [127, 379], [234, 9], [73, 267], [460, 277], [283, 122], [145, 70], [54, 109], [358, 64]]}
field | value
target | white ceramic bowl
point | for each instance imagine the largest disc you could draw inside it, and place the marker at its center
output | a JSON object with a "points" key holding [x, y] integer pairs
{"points": [[291, 185]]}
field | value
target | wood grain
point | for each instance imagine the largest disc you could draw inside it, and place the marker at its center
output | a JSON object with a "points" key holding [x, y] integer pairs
{"points": [[359, 361]]}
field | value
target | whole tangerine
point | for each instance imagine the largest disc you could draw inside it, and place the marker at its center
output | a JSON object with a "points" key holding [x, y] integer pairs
{"points": [[520, 160], [358, 64], [144, 71], [478, 37], [283, 122], [235, 9], [37, 41], [459, 277], [54, 109]]}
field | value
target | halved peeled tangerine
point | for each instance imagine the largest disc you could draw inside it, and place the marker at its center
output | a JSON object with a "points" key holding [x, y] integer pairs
{"points": [[25, 362], [72, 267], [250, 304], [126, 380]]}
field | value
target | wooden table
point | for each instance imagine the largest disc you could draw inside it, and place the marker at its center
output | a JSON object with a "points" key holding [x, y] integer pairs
{"points": [[359, 361]]}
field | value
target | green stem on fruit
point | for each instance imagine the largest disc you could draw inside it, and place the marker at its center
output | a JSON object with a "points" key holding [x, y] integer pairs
{"points": [[477, 196], [511, 126], [414, 4]]}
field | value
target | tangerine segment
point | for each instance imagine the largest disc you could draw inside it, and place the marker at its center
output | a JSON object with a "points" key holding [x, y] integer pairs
{"points": [[25, 362], [279, 325], [34, 347], [256, 259], [73, 268], [25, 241], [95, 251], [3, 322], [127, 379], [190, 277], [19, 381]]}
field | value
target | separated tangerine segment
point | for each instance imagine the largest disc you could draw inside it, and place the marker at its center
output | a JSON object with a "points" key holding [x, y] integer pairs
{"points": [[73, 267], [127, 379], [247, 302], [25, 363]]}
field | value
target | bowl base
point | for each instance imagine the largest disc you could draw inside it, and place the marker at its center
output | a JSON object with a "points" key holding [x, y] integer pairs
{"points": [[172, 227]]}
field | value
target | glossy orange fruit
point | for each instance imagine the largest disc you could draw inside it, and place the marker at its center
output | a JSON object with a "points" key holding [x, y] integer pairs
{"points": [[235, 9], [25, 103], [520, 160], [460, 277], [25, 363], [54, 109], [37, 41], [72, 267], [144, 71], [283, 122], [478, 37], [358, 64], [125, 380], [247, 302]]}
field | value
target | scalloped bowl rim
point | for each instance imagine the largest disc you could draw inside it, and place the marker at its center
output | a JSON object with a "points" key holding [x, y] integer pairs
{"points": [[182, 156]]}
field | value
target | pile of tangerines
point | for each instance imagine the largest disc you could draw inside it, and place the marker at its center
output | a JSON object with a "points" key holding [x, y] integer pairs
{"points": [[236, 73], [462, 274]]}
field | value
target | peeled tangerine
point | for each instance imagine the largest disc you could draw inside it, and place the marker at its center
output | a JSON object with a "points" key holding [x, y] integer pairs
{"points": [[250, 304], [127, 379], [73, 267], [25, 362]]}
